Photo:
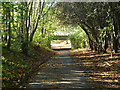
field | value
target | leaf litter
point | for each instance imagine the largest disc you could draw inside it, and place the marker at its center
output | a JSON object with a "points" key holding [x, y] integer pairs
{"points": [[99, 67]]}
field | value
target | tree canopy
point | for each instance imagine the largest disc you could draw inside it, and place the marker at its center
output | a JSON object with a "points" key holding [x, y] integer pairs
{"points": [[27, 29], [100, 21]]}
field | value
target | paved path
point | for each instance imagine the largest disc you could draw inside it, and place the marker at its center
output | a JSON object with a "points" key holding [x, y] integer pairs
{"points": [[60, 73]]}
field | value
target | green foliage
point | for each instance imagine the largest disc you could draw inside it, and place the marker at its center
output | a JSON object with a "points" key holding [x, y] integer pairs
{"points": [[45, 30], [79, 39], [98, 20], [22, 20], [19, 27]]}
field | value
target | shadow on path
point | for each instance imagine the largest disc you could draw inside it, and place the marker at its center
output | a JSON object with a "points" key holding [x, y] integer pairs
{"points": [[60, 73]]}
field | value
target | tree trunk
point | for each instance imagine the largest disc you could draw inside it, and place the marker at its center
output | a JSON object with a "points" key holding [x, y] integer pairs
{"points": [[105, 42], [115, 35], [90, 41], [27, 30], [6, 28], [115, 18], [32, 34], [22, 23], [9, 32]]}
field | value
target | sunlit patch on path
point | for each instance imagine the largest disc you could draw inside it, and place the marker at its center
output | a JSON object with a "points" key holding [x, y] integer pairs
{"points": [[60, 73], [61, 44]]}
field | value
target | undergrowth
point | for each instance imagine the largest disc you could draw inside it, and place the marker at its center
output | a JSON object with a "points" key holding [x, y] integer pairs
{"points": [[17, 67]]}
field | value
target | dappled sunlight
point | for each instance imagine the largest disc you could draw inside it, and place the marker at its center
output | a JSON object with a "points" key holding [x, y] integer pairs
{"points": [[62, 57], [88, 63], [61, 71], [80, 71], [76, 71], [94, 69], [60, 44], [107, 79], [100, 68], [54, 83], [69, 79], [62, 82], [34, 83]]}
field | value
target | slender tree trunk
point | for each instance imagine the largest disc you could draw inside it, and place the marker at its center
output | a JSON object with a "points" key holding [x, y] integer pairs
{"points": [[9, 32], [115, 35], [25, 43], [6, 28], [39, 16], [5, 25], [22, 23], [29, 22], [115, 17], [32, 34], [105, 42], [91, 44], [42, 31], [27, 30]]}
